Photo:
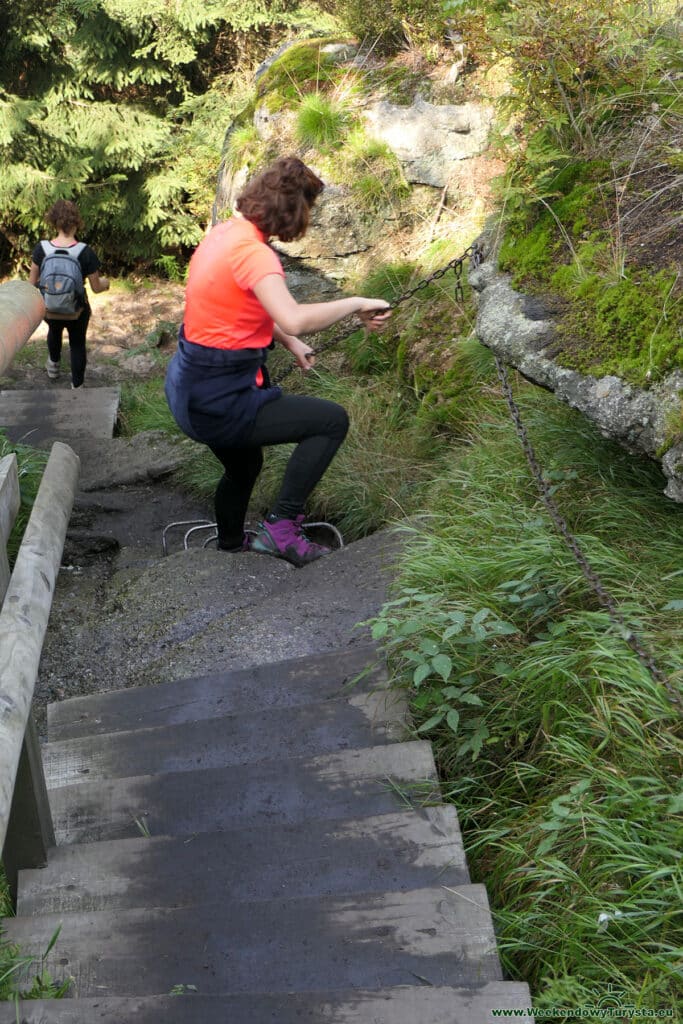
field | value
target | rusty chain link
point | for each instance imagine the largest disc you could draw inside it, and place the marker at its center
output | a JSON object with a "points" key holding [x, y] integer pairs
{"points": [[455, 265], [596, 584]]}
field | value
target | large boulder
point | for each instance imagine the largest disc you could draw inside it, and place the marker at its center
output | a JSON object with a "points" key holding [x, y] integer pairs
{"points": [[432, 143], [431, 139]]}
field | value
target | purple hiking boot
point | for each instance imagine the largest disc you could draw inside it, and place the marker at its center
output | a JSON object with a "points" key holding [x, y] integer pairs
{"points": [[285, 538]]}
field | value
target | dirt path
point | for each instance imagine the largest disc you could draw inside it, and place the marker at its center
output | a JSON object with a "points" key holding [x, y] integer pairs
{"points": [[128, 323]]}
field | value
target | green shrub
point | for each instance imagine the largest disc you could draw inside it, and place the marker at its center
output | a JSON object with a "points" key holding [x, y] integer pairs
{"points": [[387, 24]]}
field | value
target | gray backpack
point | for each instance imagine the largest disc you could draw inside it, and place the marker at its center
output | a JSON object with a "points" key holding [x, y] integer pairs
{"points": [[61, 281]]}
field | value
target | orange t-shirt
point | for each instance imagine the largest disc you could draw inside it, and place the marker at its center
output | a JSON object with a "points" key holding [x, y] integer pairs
{"points": [[221, 310]]}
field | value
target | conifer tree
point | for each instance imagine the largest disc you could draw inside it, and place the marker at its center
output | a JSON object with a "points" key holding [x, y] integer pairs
{"points": [[96, 101]]}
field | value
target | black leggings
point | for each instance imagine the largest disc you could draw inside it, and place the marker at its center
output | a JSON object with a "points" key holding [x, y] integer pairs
{"points": [[317, 425], [77, 330]]}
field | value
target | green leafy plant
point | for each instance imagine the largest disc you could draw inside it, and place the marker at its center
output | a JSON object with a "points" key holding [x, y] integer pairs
{"points": [[16, 968], [436, 657]]}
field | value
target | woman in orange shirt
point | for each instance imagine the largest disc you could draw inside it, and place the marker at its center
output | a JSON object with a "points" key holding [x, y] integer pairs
{"points": [[217, 385]]}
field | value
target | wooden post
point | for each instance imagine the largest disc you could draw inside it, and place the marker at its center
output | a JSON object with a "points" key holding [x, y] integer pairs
{"points": [[9, 506], [23, 622], [21, 310], [30, 833]]}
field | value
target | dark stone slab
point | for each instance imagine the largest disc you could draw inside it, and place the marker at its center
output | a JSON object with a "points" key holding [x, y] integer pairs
{"points": [[41, 417], [418, 1004]]}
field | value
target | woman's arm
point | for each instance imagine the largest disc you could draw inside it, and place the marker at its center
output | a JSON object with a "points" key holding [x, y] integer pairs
{"points": [[97, 282], [302, 352], [34, 274], [294, 318]]}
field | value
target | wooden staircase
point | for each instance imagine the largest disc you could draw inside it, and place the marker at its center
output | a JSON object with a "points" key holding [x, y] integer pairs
{"points": [[255, 846]]}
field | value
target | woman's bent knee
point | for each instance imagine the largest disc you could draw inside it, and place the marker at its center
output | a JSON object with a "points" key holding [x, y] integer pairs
{"points": [[339, 421]]}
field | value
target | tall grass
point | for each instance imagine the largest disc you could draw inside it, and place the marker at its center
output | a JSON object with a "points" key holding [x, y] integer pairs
{"points": [[560, 751], [30, 466], [321, 121]]}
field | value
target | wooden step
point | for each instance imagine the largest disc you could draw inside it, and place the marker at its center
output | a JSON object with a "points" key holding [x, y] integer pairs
{"points": [[351, 783], [40, 417], [360, 720], [437, 936], [279, 684], [401, 1005], [407, 850]]}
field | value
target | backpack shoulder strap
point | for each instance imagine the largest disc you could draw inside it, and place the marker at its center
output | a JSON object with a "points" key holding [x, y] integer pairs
{"points": [[77, 249], [48, 247]]}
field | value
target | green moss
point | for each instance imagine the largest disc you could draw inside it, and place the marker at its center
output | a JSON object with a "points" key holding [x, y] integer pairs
{"points": [[530, 255], [301, 69], [620, 319], [450, 401], [622, 326]]}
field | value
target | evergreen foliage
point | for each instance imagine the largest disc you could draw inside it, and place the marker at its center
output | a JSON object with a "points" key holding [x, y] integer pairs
{"points": [[120, 105]]}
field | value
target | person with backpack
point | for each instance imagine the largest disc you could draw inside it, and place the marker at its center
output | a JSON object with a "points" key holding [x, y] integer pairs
{"points": [[237, 304], [59, 269]]}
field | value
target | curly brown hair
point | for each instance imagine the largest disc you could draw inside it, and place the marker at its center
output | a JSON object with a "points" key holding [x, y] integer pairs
{"points": [[64, 216], [279, 200]]}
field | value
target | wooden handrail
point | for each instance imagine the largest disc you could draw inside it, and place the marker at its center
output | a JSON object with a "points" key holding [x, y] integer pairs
{"points": [[23, 623], [21, 310]]}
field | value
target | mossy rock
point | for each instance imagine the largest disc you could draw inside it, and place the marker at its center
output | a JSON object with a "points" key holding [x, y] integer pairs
{"points": [[622, 318], [302, 68]]}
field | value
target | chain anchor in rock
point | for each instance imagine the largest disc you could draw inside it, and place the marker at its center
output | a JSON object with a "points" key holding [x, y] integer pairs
{"points": [[604, 597]]}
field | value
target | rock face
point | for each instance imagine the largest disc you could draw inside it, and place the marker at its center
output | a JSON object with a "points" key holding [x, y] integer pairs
{"points": [[432, 143], [428, 139], [520, 330]]}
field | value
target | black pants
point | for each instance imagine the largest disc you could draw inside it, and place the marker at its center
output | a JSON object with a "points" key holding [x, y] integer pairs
{"points": [[76, 330], [317, 425]]}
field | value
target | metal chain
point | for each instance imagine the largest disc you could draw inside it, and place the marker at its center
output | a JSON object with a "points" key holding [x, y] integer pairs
{"points": [[455, 265], [603, 595]]}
